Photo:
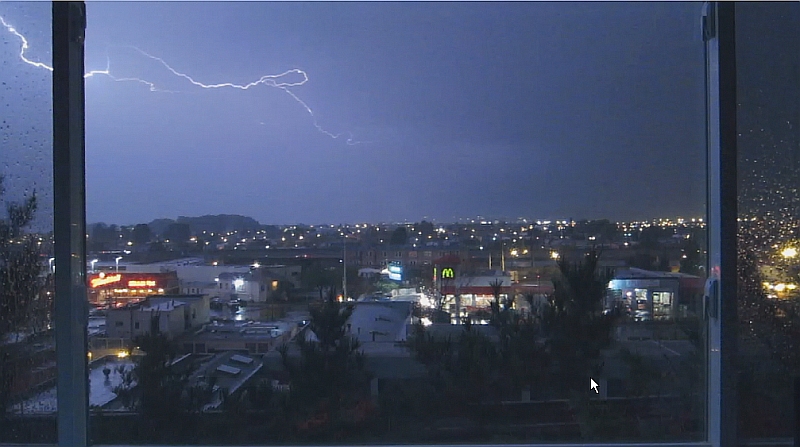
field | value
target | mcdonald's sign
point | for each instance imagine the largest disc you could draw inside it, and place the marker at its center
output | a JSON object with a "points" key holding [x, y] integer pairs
{"points": [[448, 273]]}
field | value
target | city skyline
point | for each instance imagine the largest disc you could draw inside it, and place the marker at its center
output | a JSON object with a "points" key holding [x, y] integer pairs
{"points": [[455, 221], [442, 111]]}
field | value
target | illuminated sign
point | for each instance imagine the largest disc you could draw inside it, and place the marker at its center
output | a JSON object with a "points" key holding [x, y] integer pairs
{"points": [[147, 283], [103, 280], [448, 273], [395, 271]]}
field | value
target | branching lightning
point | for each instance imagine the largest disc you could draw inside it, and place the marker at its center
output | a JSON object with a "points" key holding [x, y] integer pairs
{"points": [[275, 81]]}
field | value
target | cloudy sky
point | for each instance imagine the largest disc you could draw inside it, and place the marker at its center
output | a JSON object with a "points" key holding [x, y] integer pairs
{"points": [[444, 110]]}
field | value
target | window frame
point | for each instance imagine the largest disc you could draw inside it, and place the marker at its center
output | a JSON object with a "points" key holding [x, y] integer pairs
{"points": [[69, 223], [71, 308], [720, 298]]}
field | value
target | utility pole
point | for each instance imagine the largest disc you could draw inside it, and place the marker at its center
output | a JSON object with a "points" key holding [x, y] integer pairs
{"points": [[457, 292], [344, 268]]}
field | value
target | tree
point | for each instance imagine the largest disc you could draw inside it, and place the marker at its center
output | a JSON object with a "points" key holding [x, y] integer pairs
{"points": [[424, 227], [154, 388], [104, 237], [20, 284], [500, 310], [317, 277], [157, 247], [649, 238], [575, 328], [463, 372], [178, 234], [142, 234], [478, 368], [328, 380], [692, 259], [399, 236]]}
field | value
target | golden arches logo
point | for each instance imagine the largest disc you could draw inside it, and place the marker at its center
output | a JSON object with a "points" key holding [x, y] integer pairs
{"points": [[448, 273]]}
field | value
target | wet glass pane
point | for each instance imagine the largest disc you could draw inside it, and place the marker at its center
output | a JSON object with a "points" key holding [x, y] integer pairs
{"points": [[27, 347], [768, 76], [395, 222]]}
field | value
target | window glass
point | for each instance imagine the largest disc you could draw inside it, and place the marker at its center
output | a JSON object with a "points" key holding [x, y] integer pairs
{"points": [[27, 343], [547, 159], [768, 76]]}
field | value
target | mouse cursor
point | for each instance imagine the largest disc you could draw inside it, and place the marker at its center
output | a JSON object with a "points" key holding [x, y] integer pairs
{"points": [[594, 386]]}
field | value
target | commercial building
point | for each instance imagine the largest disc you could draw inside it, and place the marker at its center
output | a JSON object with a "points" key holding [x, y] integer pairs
{"points": [[241, 286], [469, 293], [647, 295], [244, 337], [171, 315], [258, 285], [187, 276], [116, 289]]}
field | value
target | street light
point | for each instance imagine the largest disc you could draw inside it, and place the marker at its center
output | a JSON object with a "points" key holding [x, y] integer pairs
{"points": [[93, 262], [789, 252], [116, 260]]}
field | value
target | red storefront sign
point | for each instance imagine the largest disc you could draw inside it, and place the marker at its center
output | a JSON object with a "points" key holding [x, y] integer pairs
{"points": [[115, 280]]}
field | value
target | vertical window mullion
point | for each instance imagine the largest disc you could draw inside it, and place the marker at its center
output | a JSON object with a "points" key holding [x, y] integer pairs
{"points": [[721, 289], [70, 222]]}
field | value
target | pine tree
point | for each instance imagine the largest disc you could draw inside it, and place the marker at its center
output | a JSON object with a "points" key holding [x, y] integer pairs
{"points": [[328, 379], [575, 328]]}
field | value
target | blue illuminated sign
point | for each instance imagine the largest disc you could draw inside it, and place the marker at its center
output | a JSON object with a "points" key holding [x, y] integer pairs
{"points": [[395, 271]]}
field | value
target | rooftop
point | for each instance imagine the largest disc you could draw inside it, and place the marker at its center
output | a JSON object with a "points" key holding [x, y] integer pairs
{"points": [[380, 321], [249, 330], [163, 306], [228, 371], [636, 273]]}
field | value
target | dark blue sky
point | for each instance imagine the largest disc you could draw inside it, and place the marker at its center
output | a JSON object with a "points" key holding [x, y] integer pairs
{"points": [[583, 110]]}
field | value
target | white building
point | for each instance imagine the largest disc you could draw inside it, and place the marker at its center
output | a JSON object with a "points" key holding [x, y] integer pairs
{"points": [[208, 288], [245, 287], [169, 315], [380, 321]]}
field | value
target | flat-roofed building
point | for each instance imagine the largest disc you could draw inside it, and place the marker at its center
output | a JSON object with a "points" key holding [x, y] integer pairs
{"points": [[246, 337], [171, 315], [648, 295], [229, 372], [382, 329], [116, 289]]}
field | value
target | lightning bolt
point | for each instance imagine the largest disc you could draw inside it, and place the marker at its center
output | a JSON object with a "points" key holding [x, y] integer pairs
{"points": [[274, 81], [24, 46], [268, 80]]}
